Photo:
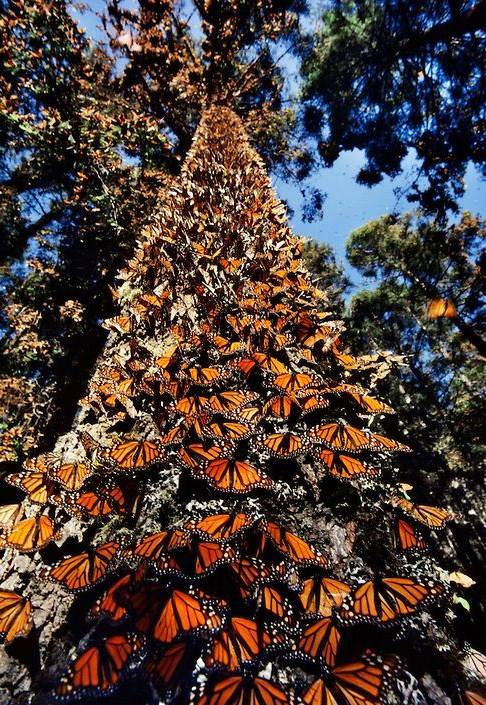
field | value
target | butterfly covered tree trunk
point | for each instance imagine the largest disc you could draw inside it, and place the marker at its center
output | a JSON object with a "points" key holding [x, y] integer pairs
{"points": [[223, 522]]}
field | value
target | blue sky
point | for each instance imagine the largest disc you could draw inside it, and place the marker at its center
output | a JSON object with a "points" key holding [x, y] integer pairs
{"points": [[348, 205]]}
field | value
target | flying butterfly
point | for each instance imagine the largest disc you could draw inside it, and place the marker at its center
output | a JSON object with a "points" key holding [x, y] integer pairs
{"points": [[433, 517], [226, 402], [85, 569]]}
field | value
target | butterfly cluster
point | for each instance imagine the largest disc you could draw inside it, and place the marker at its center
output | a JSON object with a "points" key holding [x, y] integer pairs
{"points": [[223, 367]]}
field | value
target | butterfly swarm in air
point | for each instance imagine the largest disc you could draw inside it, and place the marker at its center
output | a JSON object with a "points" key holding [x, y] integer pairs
{"points": [[225, 374]]}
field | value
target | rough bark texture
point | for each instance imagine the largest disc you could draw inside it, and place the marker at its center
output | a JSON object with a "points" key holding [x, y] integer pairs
{"points": [[220, 239]]}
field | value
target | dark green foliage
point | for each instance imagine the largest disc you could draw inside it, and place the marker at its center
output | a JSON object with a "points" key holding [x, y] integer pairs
{"points": [[413, 261], [389, 75]]}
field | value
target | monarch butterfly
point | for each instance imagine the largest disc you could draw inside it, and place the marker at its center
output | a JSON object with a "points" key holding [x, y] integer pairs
{"points": [[312, 400], [110, 604], [276, 605], [340, 437], [309, 332], [162, 668], [433, 517], [475, 662], [343, 437], [224, 402], [362, 682], [283, 445], [298, 550], [228, 430], [35, 483], [235, 690], [206, 376], [220, 527], [135, 454], [282, 406], [191, 406], [231, 475], [15, 615], [32, 534], [155, 547], [86, 569], [320, 595], [369, 404], [203, 557], [408, 538], [344, 467], [169, 359], [194, 453], [184, 613], [120, 498], [99, 669], [248, 572], [380, 442], [441, 308], [173, 436], [227, 347], [10, 514], [269, 363], [320, 641], [386, 599], [242, 641], [249, 414], [69, 475]]}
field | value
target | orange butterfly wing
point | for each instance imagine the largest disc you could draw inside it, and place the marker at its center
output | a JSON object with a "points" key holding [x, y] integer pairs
{"points": [[99, 669], [15, 615], [236, 690], [229, 475], [86, 569], [184, 613], [320, 641], [32, 534]]}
